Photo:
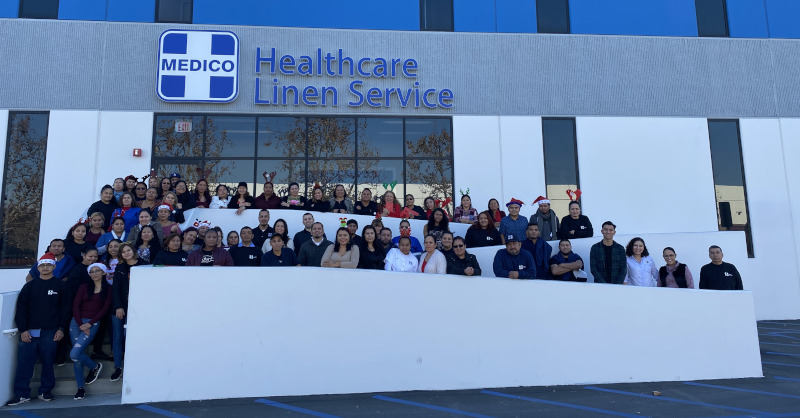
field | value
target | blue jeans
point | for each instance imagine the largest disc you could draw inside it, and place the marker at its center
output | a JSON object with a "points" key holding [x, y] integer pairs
{"points": [[79, 343], [41, 348], [118, 334]]}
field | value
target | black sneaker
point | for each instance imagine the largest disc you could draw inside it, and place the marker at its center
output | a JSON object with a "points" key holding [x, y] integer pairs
{"points": [[80, 395], [18, 400], [93, 374], [116, 375], [47, 397], [99, 355]]}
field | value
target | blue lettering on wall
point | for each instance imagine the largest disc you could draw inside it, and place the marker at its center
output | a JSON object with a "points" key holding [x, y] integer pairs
{"points": [[333, 64]]}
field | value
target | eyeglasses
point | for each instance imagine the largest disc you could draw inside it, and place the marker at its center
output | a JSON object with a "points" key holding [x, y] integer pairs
{"points": [[458, 246]]}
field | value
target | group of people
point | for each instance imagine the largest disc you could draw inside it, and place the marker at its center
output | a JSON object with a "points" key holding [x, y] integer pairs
{"points": [[80, 285]]}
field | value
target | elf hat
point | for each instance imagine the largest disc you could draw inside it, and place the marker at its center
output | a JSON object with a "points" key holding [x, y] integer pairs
{"points": [[47, 258]]}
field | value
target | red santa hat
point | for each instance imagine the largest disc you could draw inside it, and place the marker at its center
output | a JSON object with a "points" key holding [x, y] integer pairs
{"points": [[47, 258], [165, 206], [515, 202], [541, 200]]}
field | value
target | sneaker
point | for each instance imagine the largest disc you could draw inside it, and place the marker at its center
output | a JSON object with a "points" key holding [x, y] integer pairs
{"points": [[18, 400], [116, 375], [99, 355], [80, 395], [61, 364], [93, 374], [47, 397]]}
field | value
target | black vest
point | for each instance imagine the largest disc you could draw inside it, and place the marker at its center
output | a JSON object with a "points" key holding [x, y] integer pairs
{"points": [[679, 274]]}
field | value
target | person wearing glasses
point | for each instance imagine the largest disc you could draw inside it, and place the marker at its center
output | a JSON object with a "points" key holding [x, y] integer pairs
{"points": [[462, 263], [674, 274], [409, 203]]}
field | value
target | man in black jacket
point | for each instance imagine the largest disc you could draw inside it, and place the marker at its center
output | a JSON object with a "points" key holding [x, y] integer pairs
{"points": [[42, 316], [719, 275], [246, 254]]}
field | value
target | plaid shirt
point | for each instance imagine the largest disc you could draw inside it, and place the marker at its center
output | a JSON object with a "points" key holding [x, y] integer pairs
{"points": [[619, 264]]}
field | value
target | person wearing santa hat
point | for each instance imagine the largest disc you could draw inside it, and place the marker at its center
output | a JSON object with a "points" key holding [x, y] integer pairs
{"points": [[63, 265], [513, 224], [546, 218], [42, 313]]}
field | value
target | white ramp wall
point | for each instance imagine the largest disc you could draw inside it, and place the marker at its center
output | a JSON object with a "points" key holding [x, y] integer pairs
{"points": [[220, 332]]}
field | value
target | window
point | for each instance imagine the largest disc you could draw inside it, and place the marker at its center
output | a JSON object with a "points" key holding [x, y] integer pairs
{"points": [[712, 18], [173, 11], [729, 182], [416, 153], [552, 16], [436, 15], [38, 9], [23, 180], [560, 162]]}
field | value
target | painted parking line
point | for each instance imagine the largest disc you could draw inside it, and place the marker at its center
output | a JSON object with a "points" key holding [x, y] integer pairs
{"points": [[160, 411], [795, 324], [789, 330], [788, 345], [25, 414], [684, 401], [780, 364], [760, 392], [781, 354], [786, 378], [434, 407], [566, 405], [295, 408]]}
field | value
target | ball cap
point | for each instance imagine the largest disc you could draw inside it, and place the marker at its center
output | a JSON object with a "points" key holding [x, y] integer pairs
{"points": [[47, 258], [512, 238]]}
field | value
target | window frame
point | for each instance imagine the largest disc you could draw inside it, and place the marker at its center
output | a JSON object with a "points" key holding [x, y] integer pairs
{"points": [[423, 17], [4, 182], [575, 148], [538, 18], [191, 14], [724, 16], [21, 8], [749, 227], [156, 160]]}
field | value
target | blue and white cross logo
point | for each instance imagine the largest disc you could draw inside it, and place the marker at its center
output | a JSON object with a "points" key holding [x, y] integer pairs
{"points": [[198, 66]]}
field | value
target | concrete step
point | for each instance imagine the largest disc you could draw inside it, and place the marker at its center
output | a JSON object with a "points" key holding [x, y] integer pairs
{"points": [[65, 380]]}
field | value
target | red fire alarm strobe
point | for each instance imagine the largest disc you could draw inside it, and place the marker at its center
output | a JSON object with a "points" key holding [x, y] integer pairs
{"points": [[137, 152]]}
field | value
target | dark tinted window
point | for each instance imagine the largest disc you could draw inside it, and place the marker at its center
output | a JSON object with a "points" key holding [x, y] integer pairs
{"points": [[552, 16], [436, 15], [560, 162], [38, 9], [712, 18], [23, 180], [729, 180], [416, 153], [174, 11]]}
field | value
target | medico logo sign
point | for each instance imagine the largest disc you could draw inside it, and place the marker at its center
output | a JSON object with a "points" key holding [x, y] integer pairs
{"points": [[198, 66]]}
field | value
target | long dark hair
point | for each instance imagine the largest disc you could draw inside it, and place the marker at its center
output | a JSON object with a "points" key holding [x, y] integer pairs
{"points": [[477, 224], [206, 194], [153, 242], [349, 245], [444, 224], [105, 288], [285, 234], [375, 243], [70, 238]]}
